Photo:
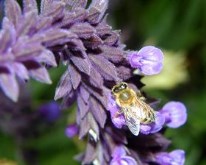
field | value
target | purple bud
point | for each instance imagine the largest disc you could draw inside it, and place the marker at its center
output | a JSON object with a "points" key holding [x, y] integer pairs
{"points": [[117, 118], [155, 126], [175, 114], [120, 157], [71, 130], [148, 60], [50, 111], [176, 157]]}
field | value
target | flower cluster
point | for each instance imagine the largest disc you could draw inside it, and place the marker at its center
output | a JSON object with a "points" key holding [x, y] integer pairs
{"points": [[76, 34]]}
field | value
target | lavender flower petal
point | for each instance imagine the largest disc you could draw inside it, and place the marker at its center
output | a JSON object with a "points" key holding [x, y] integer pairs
{"points": [[75, 76], [98, 112], [96, 79], [84, 94], [56, 36], [155, 126], [29, 22], [112, 54], [175, 114], [12, 11], [106, 69], [82, 64], [117, 119], [148, 60], [7, 36], [41, 75], [21, 71], [9, 86], [83, 107], [54, 10], [83, 30], [64, 87], [48, 58], [120, 158], [30, 5], [77, 3], [176, 157], [96, 10], [90, 154]]}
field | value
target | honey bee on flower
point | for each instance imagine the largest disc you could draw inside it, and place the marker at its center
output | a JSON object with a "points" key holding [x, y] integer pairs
{"points": [[133, 107]]}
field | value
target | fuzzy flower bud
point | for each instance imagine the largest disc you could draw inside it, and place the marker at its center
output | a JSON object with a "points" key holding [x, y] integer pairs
{"points": [[50, 111], [148, 60], [71, 130]]}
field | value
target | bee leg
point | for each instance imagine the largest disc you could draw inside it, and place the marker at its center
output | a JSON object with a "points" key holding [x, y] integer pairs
{"points": [[142, 98], [118, 113], [139, 93]]}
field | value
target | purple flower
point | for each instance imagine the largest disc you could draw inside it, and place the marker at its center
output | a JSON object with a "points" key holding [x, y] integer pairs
{"points": [[50, 111], [119, 157], [71, 130], [148, 60], [117, 119], [155, 126], [176, 157], [175, 114]]}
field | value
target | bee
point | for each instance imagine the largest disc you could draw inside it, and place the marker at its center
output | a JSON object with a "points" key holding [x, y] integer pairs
{"points": [[133, 107]]}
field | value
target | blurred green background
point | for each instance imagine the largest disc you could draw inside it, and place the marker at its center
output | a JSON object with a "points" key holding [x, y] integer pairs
{"points": [[177, 27]]}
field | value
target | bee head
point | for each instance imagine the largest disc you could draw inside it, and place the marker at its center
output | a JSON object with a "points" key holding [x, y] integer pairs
{"points": [[119, 87]]}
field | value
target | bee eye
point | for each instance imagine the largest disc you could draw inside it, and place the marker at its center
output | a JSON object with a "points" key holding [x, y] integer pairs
{"points": [[124, 86], [115, 90]]}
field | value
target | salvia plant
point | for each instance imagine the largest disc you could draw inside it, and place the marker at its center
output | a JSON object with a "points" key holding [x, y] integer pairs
{"points": [[75, 33]]}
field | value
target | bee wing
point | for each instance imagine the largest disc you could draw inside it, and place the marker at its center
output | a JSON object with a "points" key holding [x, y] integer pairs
{"points": [[132, 121], [145, 111]]}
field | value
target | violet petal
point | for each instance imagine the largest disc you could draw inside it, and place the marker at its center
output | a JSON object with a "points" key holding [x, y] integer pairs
{"points": [[83, 30], [75, 76], [9, 86], [77, 3], [41, 75], [117, 119], [97, 10], [96, 79], [21, 71], [175, 114], [64, 87], [48, 58], [148, 60], [12, 11], [98, 112], [112, 54], [82, 64], [83, 107], [29, 22], [106, 68], [30, 5], [155, 126]]}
